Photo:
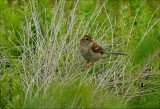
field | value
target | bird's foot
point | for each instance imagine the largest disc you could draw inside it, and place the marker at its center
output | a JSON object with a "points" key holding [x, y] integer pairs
{"points": [[89, 64]]}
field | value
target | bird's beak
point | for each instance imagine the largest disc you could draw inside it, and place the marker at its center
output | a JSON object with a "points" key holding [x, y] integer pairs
{"points": [[91, 40]]}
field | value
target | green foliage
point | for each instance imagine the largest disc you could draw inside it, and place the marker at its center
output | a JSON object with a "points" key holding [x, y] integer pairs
{"points": [[42, 68], [147, 48], [146, 101]]}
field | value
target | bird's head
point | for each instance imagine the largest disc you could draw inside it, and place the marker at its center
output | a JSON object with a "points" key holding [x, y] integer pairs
{"points": [[86, 40]]}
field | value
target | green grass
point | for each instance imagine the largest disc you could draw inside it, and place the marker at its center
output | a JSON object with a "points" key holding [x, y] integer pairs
{"points": [[41, 66]]}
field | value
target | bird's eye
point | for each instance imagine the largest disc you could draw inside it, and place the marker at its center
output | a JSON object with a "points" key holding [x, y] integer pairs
{"points": [[87, 39]]}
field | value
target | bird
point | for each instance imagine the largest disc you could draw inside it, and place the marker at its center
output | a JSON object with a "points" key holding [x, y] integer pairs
{"points": [[91, 51]]}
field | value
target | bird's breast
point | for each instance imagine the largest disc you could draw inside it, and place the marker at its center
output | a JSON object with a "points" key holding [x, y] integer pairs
{"points": [[88, 54]]}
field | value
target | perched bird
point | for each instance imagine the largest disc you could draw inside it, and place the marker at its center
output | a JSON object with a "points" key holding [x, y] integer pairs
{"points": [[91, 51]]}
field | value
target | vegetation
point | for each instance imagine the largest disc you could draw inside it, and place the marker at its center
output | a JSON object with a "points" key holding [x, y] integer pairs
{"points": [[41, 66]]}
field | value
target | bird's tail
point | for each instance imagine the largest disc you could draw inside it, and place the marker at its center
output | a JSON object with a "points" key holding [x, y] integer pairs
{"points": [[115, 53]]}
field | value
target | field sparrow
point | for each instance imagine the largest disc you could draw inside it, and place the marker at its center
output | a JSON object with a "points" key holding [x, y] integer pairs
{"points": [[91, 51]]}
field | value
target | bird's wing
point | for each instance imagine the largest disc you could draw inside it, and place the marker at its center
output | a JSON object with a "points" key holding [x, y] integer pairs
{"points": [[97, 49]]}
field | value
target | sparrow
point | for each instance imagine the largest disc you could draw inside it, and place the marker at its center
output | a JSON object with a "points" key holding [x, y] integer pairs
{"points": [[91, 51]]}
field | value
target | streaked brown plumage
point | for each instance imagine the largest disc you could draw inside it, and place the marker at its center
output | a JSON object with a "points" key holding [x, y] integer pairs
{"points": [[91, 51]]}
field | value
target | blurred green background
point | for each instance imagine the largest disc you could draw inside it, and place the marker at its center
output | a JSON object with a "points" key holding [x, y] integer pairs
{"points": [[130, 26]]}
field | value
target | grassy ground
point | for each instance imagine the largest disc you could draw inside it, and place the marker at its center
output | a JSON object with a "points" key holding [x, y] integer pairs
{"points": [[41, 66]]}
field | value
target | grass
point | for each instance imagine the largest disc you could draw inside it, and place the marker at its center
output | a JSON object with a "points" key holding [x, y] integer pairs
{"points": [[42, 67]]}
